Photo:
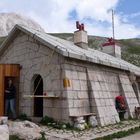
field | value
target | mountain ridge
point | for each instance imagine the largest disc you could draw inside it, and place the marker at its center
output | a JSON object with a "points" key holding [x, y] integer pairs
{"points": [[9, 20]]}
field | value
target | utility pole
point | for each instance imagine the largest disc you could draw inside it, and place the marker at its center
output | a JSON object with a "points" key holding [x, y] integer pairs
{"points": [[113, 25]]}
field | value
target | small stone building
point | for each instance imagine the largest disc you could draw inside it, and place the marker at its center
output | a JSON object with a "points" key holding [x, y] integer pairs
{"points": [[63, 79]]}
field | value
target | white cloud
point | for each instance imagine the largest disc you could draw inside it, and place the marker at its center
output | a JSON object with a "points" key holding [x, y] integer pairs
{"points": [[96, 9], [1, 4], [53, 15], [134, 15], [56, 20], [125, 30]]}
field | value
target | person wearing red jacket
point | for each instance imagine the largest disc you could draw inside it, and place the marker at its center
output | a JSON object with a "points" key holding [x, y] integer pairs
{"points": [[120, 106]]}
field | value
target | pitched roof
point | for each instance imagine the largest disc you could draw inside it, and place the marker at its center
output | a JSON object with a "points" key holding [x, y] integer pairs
{"points": [[68, 49]]}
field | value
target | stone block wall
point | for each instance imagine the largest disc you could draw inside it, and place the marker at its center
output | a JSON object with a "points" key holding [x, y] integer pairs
{"points": [[77, 92], [129, 94], [35, 58], [92, 88], [102, 97], [102, 86]]}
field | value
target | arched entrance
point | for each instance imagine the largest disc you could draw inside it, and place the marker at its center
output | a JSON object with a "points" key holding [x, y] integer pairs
{"points": [[38, 101]]}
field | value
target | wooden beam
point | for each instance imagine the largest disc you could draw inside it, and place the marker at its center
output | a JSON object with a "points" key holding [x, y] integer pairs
{"points": [[2, 90], [81, 115], [39, 96]]}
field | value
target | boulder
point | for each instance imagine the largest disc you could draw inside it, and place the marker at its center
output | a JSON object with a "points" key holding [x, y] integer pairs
{"points": [[3, 120], [79, 126], [25, 130], [92, 121], [78, 119], [79, 123], [4, 132]]}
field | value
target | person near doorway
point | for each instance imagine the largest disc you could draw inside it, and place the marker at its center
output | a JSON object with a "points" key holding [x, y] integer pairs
{"points": [[120, 106], [10, 92]]}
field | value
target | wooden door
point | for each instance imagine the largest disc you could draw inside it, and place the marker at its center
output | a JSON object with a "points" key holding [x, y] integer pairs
{"points": [[1, 90], [11, 71]]}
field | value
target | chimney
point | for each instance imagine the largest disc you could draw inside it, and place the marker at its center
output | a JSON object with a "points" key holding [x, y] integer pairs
{"points": [[80, 36], [111, 48]]}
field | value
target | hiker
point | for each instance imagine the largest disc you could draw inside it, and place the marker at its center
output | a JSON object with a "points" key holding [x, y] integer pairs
{"points": [[120, 106], [10, 92]]}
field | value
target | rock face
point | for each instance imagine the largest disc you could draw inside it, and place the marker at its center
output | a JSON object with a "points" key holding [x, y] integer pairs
{"points": [[4, 132], [92, 121], [3, 120], [25, 130], [8, 21]]}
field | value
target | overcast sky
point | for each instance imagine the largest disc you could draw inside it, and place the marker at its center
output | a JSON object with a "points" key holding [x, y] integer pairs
{"points": [[60, 15]]}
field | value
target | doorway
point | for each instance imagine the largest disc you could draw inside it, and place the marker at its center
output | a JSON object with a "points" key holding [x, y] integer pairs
{"points": [[38, 100], [9, 71], [15, 81], [135, 88]]}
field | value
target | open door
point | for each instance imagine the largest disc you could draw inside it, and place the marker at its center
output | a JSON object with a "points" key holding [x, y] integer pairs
{"points": [[9, 71], [1, 90], [38, 101]]}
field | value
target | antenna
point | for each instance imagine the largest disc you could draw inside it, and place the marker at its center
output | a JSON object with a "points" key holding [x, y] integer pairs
{"points": [[113, 25], [111, 41]]}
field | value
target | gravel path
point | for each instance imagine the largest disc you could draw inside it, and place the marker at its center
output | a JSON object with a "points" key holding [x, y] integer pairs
{"points": [[91, 133]]}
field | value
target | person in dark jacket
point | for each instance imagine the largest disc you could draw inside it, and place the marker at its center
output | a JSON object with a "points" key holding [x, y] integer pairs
{"points": [[10, 92]]}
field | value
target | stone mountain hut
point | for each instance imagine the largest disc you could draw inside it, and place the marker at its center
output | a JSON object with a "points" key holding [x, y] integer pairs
{"points": [[65, 80]]}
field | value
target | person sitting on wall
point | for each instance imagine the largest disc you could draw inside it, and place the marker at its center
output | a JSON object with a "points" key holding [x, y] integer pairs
{"points": [[10, 92], [120, 106]]}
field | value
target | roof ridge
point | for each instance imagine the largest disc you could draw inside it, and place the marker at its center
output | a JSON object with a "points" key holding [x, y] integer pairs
{"points": [[69, 49]]}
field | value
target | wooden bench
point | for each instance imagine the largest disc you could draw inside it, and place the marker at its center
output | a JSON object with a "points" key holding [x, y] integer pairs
{"points": [[75, 117], [83, 115]]}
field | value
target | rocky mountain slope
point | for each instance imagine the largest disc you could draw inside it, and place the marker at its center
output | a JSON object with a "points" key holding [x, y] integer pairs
{"points": [[8, 21]]}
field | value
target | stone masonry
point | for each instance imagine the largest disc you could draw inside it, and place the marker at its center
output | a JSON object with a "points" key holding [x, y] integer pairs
{"points": [[129, 94], [93, 90], [35, 58], [92, 87]]}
